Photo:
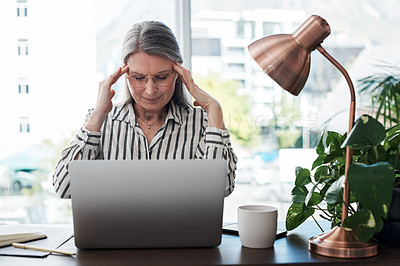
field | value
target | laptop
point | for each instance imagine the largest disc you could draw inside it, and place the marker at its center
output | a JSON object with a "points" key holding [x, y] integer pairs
{"points": [[147, 203]]}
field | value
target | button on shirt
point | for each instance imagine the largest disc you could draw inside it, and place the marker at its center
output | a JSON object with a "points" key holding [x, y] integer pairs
{"points": [[184, 135]]}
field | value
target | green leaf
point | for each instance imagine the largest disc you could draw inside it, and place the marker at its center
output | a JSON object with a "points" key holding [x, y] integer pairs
{"points": [[333, 138], [393, 157], [298, 169], [352, 197], [344, 136], [303, 177], [334, 155], [384, 89], [335, 192], [372, 186], [322, 171], [335, 146], [393, 130], [367, 132], [314, 199], [393, 137], [327, 183], [320, 146], [377, 154], [320, 160], [364, 224], [296, 215], [341, 159], [299, 194]]}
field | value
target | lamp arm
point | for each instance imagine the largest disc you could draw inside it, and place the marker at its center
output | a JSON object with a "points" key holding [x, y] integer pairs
{"points": [[349, 151]]}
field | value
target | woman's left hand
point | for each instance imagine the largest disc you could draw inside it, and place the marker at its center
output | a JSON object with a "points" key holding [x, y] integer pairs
{"points": [[201, 98]]}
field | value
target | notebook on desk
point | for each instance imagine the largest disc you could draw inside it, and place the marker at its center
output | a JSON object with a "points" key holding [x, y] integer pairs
{"points": [[147, 203]]}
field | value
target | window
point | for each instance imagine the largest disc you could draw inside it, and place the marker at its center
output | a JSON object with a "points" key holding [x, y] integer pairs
{"points": [[271, 28], [264, 126], [35, 130], [236, 67], [22, 47], [22, 9], [277, 130], [206, 46], [23, 86], [24, 125], [245, 29], [236, 51]]}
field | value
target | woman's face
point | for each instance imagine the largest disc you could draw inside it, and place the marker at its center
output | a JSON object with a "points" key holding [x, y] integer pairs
{"points": [[154, 94]]}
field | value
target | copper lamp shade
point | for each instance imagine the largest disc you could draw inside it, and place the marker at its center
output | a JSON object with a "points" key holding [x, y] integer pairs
{"points": [[286, 59]]}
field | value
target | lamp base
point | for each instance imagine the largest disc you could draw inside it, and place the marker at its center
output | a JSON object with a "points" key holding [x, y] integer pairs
{"points": [[340, 243]]}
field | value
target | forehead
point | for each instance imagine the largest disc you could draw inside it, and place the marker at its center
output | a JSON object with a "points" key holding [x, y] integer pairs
{"points": [[148, 64]]}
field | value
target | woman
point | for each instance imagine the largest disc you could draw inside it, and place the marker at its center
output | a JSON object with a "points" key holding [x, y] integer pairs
{"points": [[154, 120]]}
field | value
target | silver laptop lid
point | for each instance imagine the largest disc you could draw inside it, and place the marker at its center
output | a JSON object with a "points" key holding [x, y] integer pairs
{"points": [[147, 203]]}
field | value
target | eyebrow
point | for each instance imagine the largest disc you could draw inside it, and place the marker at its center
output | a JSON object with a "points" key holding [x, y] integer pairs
{"points": [[161, 72]]}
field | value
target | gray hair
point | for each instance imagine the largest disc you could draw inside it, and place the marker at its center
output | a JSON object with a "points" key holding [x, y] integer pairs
{"points": [[153, 38]]}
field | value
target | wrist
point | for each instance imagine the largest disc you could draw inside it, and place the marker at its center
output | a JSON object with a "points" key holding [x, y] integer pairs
{"points": [[215, 116], [96, 120]]}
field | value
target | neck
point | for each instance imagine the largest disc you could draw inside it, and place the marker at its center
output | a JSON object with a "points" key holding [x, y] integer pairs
{"points": [[149, 116]]}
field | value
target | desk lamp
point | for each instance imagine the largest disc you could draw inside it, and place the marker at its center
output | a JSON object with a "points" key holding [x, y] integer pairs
{"points": [[286, 59]]}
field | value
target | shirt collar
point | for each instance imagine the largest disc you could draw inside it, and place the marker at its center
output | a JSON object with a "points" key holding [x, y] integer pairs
{"points": [[175, 112], [127, 114], [124, 113]]}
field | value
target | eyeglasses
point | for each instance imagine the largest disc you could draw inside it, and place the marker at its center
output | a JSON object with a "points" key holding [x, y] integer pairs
{"points": [[162, 80]]}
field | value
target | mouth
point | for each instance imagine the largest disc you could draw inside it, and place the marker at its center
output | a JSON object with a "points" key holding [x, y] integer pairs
{"points": [[152, 100]]}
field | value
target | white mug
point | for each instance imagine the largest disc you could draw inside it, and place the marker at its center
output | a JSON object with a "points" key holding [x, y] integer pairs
{"points": [[257, 225]]}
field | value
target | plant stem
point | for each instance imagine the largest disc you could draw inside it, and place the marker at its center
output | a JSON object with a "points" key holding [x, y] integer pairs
{"points": [[376, 153], [317, 223], [327, 214], [397, 158]]}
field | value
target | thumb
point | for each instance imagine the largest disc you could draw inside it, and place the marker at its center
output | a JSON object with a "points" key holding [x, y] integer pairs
{"points": [[112, 92]]}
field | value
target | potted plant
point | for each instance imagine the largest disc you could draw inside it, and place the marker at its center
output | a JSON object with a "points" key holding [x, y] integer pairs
{"points": [[371, 177], [385, 91]]}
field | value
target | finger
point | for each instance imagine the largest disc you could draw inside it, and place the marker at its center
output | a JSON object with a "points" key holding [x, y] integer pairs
{"points": [[112, 92], [182, 72], [178, 69], [185, 76], [116, 75], [123, 70], [177, 65]]}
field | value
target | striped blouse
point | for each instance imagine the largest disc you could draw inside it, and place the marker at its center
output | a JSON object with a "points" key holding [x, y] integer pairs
{"points": [[184, 135]]}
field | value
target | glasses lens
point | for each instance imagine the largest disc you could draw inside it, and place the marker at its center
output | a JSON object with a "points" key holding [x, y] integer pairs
{"points": [[137, 81], [163, 79]]}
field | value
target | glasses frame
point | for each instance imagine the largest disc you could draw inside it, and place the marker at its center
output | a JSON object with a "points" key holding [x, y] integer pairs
{"points": [[172, 73]]}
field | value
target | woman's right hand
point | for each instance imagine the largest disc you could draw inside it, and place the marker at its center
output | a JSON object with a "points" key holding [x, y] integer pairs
{"points": [[104, 100]]}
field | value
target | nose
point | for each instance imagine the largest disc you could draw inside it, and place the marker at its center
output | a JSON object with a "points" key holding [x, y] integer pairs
{"points": [[150, 87]]}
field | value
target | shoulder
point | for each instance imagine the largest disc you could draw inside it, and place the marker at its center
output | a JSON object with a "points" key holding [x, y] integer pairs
{"points": [[118, 112], [188, 115], [118, 109], [191, 113]]}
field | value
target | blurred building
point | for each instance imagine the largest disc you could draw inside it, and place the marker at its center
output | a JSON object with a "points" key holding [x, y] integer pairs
{"points": [[219, 45], [47, 68]]}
